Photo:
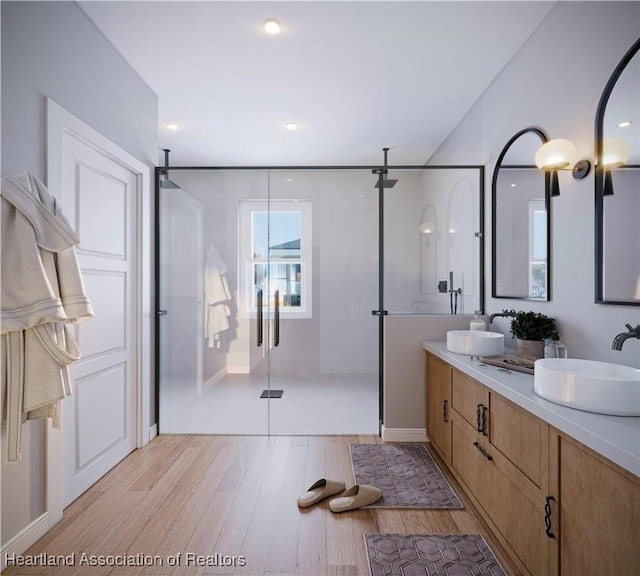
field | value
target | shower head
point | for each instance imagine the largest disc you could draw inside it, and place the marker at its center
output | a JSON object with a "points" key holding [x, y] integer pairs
{"points": [[164, 179], [166, 183], [389, 183], [386, 182]]}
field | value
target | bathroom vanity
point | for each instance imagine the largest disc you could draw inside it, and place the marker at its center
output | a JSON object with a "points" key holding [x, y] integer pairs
{"points": [[559, 487]]}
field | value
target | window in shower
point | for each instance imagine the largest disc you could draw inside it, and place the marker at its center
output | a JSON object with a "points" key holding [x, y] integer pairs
{"points": [[275, 241]]}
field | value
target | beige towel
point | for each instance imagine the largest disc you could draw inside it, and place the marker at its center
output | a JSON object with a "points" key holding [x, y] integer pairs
{"points": [[42, 291]]}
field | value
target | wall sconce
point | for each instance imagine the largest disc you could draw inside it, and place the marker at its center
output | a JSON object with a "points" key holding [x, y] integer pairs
{"points": [[615, 153], [557, 155]]}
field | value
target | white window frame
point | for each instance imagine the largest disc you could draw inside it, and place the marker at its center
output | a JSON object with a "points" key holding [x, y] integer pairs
{"points": [[247, 261]]}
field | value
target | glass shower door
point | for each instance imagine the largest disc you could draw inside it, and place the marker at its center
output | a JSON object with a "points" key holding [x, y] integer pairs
{"points": [[215, 381], [282, 338], [323, 262]]}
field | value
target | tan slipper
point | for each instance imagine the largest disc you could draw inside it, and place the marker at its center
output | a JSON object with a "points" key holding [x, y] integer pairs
{"points": [[356, 497], [320, 490]]}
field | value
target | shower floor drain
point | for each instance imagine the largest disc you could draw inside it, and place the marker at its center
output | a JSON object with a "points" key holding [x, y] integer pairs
{"points": [[272, 394]]}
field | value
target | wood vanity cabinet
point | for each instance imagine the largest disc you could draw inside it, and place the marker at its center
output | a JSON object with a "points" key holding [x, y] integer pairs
{"points": [[558, 508]]}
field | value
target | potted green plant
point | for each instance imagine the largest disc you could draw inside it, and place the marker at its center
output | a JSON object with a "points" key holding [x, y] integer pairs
{"points": [[530, 329]]}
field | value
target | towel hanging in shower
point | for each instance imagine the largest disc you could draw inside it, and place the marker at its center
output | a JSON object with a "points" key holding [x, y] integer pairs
{"points": [[216, 296]]}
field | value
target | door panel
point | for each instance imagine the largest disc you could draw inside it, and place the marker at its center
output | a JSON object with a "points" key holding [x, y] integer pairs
{"points": [[182, 286], [326, 361], [209, 332], [99, 418]]}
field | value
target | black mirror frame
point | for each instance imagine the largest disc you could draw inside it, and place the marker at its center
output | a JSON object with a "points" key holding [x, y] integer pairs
{"points": [[547, 203], [599, 176]]}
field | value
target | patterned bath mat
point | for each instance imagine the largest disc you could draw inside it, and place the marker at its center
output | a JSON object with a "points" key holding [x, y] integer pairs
{"points": [[406, 474], [431, 555]]}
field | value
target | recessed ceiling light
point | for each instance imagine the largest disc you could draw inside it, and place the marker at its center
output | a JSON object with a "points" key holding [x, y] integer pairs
{"points": [[171, 126], [289, 179], [513, 185], [272, 26], [624, 124], [291, 126]]}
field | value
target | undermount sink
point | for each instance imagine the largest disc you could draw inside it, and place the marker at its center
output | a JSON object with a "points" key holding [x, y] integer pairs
{"points": [[589, 385], [475, 342]]}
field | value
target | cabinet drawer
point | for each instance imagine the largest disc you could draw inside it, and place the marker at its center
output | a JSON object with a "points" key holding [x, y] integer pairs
{"points": [[521, 437], [515, 513], [466, 396]]}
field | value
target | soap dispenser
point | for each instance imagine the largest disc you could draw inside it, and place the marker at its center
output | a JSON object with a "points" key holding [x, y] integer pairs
{"points": [[477, 323], [554, 348]]}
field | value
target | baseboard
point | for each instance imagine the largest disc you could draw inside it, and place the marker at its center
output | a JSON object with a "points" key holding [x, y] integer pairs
{"points": [[404, 434], [219, 375], [238, 370], [152, 433], [24, 539]]}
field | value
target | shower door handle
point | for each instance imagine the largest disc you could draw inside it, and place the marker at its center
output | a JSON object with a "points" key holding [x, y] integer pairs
{"points": [[259, 316], [276, 319]]}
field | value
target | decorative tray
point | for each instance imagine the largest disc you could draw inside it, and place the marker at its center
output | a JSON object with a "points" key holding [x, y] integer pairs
{"points": [[515, 363]]}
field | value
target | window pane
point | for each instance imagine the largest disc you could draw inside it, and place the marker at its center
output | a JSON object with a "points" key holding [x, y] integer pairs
{"points": [[539, 235], [283, 277], [538, 288], [259, 235], [285, 231]]}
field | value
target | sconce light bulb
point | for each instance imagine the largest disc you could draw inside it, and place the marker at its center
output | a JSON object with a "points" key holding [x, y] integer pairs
{"points": [[272, 26], [615, 153], [555, 154]]}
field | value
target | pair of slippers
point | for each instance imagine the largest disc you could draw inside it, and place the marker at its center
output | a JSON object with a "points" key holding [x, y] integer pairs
{"points": [[355, 497]]}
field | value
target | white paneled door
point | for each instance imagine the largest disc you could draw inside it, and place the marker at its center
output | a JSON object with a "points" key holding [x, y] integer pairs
{"points": [[99, 198]]}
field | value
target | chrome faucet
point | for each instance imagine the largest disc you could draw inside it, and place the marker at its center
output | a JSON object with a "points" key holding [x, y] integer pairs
{"points": [[621, 338], [504, 313]]}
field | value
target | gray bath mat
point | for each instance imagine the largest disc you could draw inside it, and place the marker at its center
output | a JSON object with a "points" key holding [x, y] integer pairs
{"points": [[430, 555], [406, 474]]}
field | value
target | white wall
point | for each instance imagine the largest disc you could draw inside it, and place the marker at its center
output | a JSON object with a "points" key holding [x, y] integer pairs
{"points": [[52, 50], [341, 334], [554, 82]]}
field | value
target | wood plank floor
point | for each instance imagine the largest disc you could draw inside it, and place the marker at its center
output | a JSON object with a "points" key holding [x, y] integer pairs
{"points": [[185, 501]]}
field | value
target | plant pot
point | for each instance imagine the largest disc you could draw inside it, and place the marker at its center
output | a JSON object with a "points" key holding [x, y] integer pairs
{"points": [[532, 349]]}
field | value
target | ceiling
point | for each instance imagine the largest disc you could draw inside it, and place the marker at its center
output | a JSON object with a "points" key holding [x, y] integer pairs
{"points": [[355, 76]]}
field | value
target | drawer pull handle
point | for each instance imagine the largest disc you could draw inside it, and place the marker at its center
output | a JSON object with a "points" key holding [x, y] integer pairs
{"points": [[484, 421], [481, 419], [445, 410], [547, 516], [483, 451]]}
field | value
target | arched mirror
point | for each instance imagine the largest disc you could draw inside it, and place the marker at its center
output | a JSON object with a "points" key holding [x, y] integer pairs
{"points": [[617, 181], [520, 220]]}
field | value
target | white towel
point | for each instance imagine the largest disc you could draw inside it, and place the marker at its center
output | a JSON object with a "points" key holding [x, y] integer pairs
{"points": [[216, 294]]}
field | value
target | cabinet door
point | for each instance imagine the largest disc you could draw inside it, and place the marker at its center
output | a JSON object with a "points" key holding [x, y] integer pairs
{"points": [[513, 512], [439, 405], [599, 515], [471, 400]]}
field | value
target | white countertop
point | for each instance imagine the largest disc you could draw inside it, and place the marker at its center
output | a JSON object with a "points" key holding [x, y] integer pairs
{"points": [[614, 437]]}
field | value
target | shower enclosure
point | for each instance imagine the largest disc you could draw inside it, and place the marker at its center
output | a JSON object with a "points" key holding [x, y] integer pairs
{"points": [[272, 291]]}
